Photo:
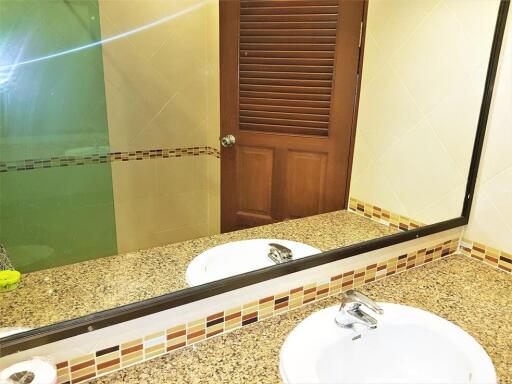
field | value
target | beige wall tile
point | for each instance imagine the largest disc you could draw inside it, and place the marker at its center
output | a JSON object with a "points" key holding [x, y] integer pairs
{"points": [[422, 83], [134, 180], [162, 87], [214, 192], [490, 221], [181, 175]]}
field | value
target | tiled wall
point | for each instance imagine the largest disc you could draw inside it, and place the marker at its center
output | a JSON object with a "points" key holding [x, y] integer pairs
{"points": [[83, 368], [490, 223], [159, 92], [158, 195], [491, 256], [422, 85], [108, 157], [382, 215], [213, 113], [162, 87], [494, 257]]}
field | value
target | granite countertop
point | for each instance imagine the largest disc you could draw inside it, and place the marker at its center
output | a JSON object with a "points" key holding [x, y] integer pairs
{"points": [[83, 288], [469, 293]]}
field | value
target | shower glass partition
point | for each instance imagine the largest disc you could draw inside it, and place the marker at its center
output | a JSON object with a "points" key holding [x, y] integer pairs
{"points": [[109, 121]]}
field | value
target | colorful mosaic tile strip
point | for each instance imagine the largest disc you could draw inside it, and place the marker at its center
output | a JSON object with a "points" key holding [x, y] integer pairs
{"points": [[491, 256], [383, 216], [86, 367], [66, 161]]}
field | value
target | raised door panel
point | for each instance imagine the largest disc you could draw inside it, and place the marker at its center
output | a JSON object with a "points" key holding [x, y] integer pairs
{"points": [[254, 177], [306, 183]]}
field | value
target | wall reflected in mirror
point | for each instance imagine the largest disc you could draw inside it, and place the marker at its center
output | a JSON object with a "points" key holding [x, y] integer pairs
{"points": [[111, 114], [424, 74]]}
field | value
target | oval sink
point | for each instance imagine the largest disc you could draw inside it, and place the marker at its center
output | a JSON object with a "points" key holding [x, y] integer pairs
{"points": [[409, 345], [238, 257]]}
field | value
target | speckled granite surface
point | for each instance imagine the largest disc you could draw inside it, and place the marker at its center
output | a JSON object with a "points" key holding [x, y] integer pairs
{"points": [[57, 294], [466, 292]]}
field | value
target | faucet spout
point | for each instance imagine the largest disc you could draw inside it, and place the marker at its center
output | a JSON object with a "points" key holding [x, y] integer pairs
{"points": [[350, 311], [279, 253]]}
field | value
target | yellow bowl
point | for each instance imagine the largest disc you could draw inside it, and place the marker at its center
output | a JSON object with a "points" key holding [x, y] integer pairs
{"points": [[9, 280]]}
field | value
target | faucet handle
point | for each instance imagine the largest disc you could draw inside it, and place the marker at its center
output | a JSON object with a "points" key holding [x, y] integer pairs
{"points": [[355, 297]]}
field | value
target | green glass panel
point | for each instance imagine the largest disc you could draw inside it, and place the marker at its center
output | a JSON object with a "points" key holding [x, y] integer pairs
{"points": [[53, 107]]}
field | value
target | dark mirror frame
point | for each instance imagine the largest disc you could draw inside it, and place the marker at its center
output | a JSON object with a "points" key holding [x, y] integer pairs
{"points": [[59, 331]]}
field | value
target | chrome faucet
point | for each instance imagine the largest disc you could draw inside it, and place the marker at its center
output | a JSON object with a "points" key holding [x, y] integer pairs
{"points": [[350, 312], [279, 253]]}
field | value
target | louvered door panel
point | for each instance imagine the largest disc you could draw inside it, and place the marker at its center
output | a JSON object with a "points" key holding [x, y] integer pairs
{"points": [[287, 50]]}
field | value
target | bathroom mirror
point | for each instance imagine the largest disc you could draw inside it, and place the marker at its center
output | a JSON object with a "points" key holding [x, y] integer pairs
{"points": [[149, 150]]}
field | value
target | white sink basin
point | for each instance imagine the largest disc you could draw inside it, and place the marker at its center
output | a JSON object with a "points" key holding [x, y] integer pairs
{"points": [[238, 257], [409, 345]]}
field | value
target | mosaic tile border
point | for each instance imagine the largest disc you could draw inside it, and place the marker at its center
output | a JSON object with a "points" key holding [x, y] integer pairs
{"points": [[489, 255], [110, 157], [92, 365], [383, 216]]}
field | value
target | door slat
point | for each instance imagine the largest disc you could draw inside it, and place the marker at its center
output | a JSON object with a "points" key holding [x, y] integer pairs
{"points": [[286, 65]]}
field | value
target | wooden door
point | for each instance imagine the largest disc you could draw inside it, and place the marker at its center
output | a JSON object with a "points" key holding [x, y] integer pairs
{"points": [[289, 80]]}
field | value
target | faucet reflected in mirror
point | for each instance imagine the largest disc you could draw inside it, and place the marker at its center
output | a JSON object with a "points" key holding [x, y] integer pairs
{"points": [[279, 253]]}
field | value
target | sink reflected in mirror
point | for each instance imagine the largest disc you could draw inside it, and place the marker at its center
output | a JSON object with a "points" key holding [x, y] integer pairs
{"points": [[239, 257], [409, 345], [8, 331]]}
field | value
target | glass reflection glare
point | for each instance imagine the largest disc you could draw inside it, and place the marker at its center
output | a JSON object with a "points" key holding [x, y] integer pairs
{"points": [[9, 68]]}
